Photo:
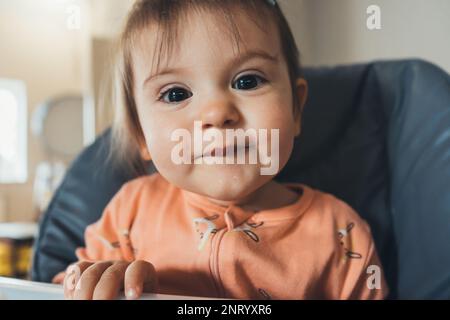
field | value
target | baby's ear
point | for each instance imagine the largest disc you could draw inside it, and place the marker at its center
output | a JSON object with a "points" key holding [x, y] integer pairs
{"points": [[145, 154], [302, 94]]}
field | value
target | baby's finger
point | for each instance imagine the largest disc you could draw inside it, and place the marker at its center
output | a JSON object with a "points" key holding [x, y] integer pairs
{"points": [[72, 276], [139, 277], [111, 281], [85, 287], [59, 278]]}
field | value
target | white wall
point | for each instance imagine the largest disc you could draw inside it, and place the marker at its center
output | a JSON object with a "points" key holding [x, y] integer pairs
{"points": [[36, 47], [108, 16], [333, 32]]}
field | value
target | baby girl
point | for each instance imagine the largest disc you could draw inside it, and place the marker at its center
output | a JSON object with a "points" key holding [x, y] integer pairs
{"points": [[217, 224]]}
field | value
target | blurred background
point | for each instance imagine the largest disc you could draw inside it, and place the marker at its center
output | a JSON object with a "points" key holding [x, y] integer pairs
{"points": [[55, 58]]}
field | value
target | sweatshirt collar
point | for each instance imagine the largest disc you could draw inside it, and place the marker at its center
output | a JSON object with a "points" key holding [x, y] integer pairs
{"points": [[233, 215]]}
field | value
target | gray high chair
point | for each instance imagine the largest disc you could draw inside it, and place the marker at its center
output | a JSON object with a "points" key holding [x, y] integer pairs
{"points": [[376, 135]]}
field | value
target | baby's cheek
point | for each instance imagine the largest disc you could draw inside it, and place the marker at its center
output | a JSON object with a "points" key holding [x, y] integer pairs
{"points": [[158, 145], [286, 144], [165, 163], [160, 149], [282, 134]]}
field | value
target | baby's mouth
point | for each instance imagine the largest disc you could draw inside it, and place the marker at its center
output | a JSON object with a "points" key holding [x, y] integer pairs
{"points": [[223, 152]]}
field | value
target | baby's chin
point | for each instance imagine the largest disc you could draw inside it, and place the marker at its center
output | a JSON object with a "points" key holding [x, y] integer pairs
{"points": [[227, 183]]}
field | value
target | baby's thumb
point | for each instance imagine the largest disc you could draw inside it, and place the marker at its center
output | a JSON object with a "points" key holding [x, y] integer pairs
{"points": [[140, 276]]}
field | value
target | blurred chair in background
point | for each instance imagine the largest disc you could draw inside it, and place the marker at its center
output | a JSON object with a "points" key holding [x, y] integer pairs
{"points": [[58, 124]]}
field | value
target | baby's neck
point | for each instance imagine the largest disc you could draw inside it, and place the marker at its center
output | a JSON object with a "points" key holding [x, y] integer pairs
{"points": [[272, 195]]}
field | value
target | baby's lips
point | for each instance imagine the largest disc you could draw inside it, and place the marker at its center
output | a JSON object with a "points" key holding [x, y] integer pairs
{"points": [[222, 151]]}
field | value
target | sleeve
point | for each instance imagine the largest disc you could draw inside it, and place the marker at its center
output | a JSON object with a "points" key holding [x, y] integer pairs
{"points": [[357, 273], [371, 283], [108, 238]]}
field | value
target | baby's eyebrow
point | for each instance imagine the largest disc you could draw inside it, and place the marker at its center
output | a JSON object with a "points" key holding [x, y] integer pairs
{"points": [[240, 59], [252, 54]]}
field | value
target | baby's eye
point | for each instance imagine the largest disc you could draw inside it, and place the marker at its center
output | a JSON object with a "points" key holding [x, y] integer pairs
{"points": [[248, 82], [175, 95]]}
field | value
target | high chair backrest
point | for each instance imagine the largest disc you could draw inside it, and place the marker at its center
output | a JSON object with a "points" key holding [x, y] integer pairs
{"points": [[376, 135]]}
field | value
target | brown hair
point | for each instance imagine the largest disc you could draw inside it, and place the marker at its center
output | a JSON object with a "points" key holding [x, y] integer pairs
{"points": [[128, 138]]}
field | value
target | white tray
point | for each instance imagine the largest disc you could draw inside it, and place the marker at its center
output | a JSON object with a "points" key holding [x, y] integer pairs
{"points": [[14, 289]]}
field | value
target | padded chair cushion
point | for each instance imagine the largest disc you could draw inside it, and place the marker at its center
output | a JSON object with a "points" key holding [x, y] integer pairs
{"points": [[375, 135]]}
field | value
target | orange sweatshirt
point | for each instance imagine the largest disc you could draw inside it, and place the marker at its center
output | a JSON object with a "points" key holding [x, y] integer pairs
{"points": [[316, 248]]}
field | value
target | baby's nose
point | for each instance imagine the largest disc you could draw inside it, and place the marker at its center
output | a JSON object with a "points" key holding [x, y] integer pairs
{"points": [[219, 114]]}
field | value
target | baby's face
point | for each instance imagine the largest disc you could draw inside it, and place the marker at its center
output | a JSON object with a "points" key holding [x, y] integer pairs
{"points": [[207, 80]]}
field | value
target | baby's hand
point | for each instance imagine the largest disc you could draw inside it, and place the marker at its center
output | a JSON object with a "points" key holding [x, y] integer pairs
{"points": [[103, 280]]}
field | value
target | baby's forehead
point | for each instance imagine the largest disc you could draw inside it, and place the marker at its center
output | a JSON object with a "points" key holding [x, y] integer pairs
{"points": [[200, 35]]}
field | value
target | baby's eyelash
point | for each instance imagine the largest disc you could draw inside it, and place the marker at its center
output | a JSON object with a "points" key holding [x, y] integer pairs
{"points": [[262, 79], [163, 93]]}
